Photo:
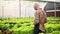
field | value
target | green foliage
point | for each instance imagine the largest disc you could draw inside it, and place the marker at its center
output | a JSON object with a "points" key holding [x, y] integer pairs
{"points": [[11, 25], [56, 32], [25, 26], [49, 30], [53, 18], [18, 25], [4, 27]]}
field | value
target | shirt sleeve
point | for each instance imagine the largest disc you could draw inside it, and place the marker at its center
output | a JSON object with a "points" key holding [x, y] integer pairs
{"points": [[36, 17]]}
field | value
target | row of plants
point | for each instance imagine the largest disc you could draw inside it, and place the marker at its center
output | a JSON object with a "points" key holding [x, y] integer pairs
{"points": [[25, 29], [25, 26]]}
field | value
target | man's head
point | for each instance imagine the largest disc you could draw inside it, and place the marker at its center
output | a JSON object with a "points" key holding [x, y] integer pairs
{"points": [[36, 6]]}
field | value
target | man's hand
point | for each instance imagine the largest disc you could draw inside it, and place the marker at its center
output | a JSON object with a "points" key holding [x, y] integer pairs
{"points": [[36, 22], [41, 27]]}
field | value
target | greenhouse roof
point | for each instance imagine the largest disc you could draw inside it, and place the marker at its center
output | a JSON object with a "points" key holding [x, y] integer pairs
{"points": [[49, 0]]}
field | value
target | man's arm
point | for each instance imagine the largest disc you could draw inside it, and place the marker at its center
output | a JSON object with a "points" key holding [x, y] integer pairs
{"points": [[36, 18]]}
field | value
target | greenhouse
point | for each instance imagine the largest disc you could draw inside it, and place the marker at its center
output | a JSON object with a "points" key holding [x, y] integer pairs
{"points": [[17, 16]]}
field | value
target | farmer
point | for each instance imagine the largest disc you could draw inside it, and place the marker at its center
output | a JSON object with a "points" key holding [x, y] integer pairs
{"points": [[39, 20]]}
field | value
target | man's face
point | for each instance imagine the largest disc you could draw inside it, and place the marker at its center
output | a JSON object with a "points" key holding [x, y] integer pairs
{"points": [[36, 6]]}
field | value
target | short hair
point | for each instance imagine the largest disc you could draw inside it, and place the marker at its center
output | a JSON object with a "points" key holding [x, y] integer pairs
{"points": [[36, 5]]}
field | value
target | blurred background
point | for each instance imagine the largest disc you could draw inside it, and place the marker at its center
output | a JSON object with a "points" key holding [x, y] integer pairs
{"points": [[17, 16], [16, 8]]}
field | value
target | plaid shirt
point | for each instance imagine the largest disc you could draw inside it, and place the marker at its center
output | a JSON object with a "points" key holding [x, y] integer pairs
{"points": [[40, 17], [36, 16]]}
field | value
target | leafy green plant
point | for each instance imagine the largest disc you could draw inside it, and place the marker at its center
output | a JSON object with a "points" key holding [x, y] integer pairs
{"points": [[23, 25], [49, 30], [56, 32], [11, 25], [18, 25], [4, 27]]}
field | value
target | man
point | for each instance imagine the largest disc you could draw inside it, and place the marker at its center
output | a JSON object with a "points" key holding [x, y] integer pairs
{"points": [[40, 20]]}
